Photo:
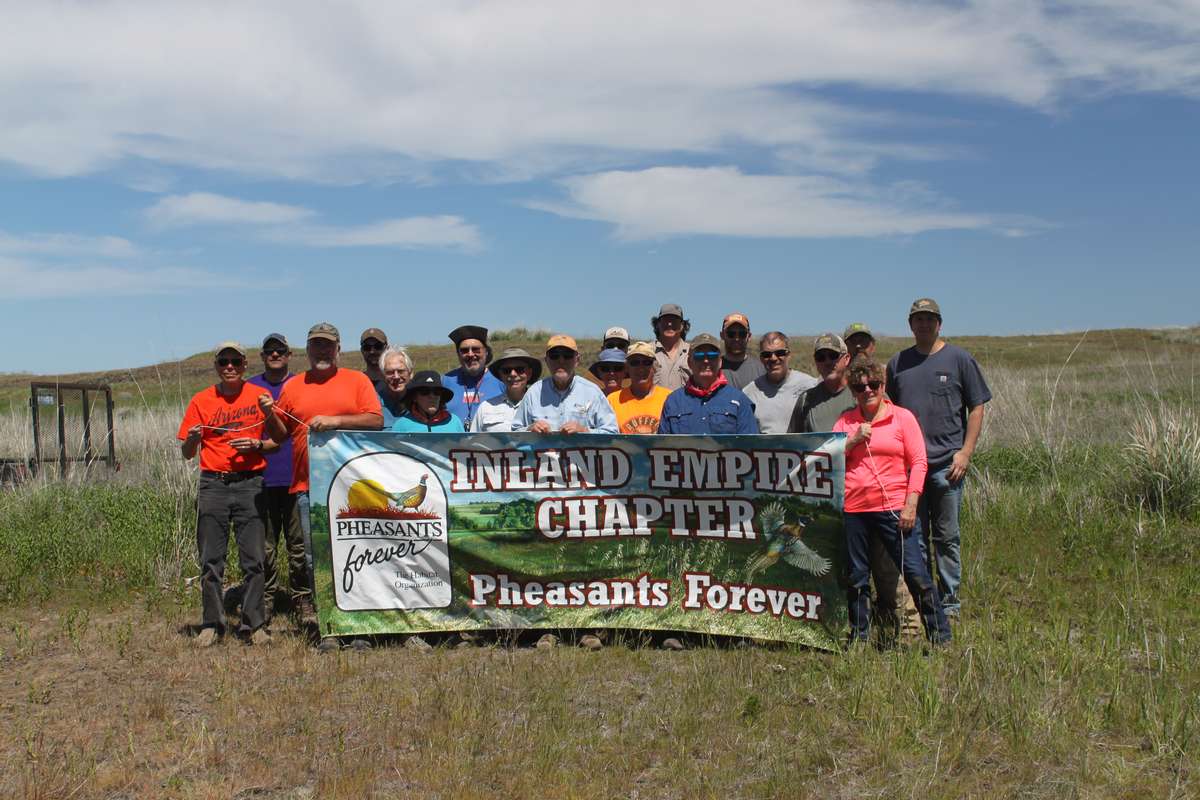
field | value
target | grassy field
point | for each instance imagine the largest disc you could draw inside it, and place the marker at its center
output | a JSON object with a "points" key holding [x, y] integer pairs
{"points": [[1074, 672]]}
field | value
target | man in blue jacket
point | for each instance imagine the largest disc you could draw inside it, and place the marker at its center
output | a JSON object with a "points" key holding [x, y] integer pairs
{"points": [[708, 403]]}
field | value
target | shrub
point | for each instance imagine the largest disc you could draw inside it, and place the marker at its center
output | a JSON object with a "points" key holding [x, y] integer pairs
{"points": [[1161, 462]]}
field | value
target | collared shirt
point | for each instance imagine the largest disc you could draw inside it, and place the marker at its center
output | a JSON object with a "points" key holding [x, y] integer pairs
{"points": [[469, 392], [774, 402], [724, 410], [582, 402], [495, 415], [671, 373]]}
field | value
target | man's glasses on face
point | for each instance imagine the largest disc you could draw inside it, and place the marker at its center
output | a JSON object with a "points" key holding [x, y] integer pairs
{"points": [[859, 388], [396, 373], [705, 355], [560, 354], [826, 355], [609, 369], [372, 346], [639, 363], [466, 351], [766, 355], [230, 362], [736, 333], [276, 352]]}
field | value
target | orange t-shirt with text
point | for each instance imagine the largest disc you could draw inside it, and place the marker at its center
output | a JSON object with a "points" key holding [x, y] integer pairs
{"points": [[347, 391], [237, 417], [638, 416]]}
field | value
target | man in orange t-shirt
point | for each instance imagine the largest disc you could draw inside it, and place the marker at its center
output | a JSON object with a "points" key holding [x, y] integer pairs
{"points": [[324, 398], [639, 407], [225, 423]]}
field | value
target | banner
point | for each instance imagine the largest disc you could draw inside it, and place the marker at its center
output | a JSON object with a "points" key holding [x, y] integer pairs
{"points": [[732, 535]]}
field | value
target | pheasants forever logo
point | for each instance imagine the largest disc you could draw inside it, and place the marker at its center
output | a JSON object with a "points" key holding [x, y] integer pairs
{"points": [[388, 535]]}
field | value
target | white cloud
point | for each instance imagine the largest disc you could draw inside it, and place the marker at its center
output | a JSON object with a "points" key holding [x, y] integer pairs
{"points": [[203, 208], [29, 280], [408, 232], [674, 201], [365, 90], [50, 245]]}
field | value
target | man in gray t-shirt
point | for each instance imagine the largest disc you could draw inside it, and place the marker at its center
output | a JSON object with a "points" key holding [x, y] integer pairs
{"points": [[944, 388], [774, 393], [819, 407], [739, 369]]}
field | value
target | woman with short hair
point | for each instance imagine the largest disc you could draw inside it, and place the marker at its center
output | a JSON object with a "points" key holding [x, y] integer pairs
{"points": [[885, 475]]}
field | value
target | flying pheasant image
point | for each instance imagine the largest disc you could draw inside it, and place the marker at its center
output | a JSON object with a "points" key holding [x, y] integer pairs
{"points": [[783, 541]]}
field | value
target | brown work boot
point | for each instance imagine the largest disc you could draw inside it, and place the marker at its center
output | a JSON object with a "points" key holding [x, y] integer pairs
{"points": [[207, 638], [261, 637], [591, 642], [417, 643], [672, 644], [547, 641]]}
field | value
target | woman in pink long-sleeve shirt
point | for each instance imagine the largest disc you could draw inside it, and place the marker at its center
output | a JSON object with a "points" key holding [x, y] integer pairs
{"points": [[885, 474]]}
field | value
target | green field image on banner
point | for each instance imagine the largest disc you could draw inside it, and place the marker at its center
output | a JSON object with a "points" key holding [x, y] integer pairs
{"points": [[728, 535]]}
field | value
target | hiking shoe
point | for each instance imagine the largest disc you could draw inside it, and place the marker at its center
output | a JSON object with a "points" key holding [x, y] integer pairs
{"points": [[261, 637], [207, 637], [328, 644], [672, 644], [416, 643], [361, 645], [304, 610], [547, 641], [591, 642]]}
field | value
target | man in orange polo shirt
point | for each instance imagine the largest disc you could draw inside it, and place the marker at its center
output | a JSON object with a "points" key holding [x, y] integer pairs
{"points": [[325, 398], [225, 423]]}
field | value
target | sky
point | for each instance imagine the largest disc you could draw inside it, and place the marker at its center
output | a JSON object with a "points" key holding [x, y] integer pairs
{"points": [[176, 174]]}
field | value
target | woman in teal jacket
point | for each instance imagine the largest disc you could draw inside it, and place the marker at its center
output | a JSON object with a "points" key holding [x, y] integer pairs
{"points": [[426, 399]]}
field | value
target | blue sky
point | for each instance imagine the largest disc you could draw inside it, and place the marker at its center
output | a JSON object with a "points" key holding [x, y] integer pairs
{"points": [[174, 174]]}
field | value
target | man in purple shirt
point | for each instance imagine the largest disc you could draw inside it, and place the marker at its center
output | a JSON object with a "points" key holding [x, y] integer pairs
{"points": [[281, 513]]}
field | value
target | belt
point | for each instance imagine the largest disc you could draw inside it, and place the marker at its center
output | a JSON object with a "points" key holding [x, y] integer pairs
{"points": [[231, 477]]}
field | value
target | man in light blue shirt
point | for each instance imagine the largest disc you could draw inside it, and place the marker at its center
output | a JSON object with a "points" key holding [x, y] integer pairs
{"points": [[563, 402]]}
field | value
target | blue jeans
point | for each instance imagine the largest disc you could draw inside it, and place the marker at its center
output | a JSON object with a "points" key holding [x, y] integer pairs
{"points": [[306, 530], [908, 553], [938, 512]]}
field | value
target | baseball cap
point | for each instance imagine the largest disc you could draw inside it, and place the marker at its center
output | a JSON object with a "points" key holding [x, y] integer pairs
{"points": [[324, 330], [857, 327], [670, 308], [706, 341], [830, 341], [640, 349], [616, 333], [229, 346], [925, 304], [735, 318], [373, 333], [275, 337], [561, 340]]}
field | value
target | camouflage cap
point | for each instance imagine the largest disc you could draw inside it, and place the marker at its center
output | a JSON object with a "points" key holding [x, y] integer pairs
{"points": [[927, 304], [373, 333], [830, 341], [857, 327]]}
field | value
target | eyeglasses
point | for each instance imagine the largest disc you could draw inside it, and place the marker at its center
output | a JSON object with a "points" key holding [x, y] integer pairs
{"points": [[705, 355], [519, 369], [395, 373], [230, 362], [774, 354], [560, 354], [425, 391], [859, 388], [736, 334], [826, 355], [607, 369], [276, 351], [372, 346], [466, 351]]}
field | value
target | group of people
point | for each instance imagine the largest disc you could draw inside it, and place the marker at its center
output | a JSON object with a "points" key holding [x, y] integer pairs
{"points": [[912, 426]]}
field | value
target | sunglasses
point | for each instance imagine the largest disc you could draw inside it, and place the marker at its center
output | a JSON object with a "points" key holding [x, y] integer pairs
{"points": [[826, 355], [736, 334], [230, 362], [466, 351], [607, 369], [560, 354], [276, 351], [636, 363], [706, 355], [420, 392], [371, 346], [774, 353], [519, 369], [859, 388]]}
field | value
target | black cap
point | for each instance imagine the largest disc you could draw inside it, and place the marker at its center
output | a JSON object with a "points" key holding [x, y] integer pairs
{"points": [[427, 379]]}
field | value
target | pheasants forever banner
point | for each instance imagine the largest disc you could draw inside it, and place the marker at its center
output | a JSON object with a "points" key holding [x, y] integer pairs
{"points": [[734, 535]]}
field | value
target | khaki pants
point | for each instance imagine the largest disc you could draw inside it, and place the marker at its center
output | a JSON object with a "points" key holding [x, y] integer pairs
{"points": [[895, 612]]}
